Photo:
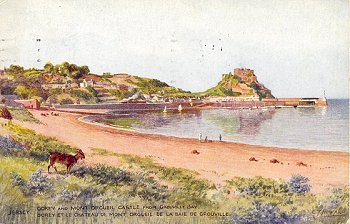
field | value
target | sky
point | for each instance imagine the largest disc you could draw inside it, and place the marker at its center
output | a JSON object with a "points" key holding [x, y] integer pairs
{"points": [[297, 48]]}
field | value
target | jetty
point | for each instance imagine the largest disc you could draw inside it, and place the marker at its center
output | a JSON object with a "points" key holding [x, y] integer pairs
{"points": [[275, 103], [217, 102]]}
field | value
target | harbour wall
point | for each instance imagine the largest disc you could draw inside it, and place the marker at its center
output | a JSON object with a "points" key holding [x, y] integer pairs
{"points": [[200, 104]]}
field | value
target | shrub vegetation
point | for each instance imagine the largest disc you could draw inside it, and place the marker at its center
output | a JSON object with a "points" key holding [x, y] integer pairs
{"points": [[141, 181]]}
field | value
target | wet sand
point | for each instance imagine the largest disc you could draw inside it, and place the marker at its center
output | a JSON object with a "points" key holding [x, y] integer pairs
{"points": [[216, 161]]}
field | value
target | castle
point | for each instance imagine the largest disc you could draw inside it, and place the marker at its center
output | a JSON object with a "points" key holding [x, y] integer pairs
{"points": [[245, 75]]}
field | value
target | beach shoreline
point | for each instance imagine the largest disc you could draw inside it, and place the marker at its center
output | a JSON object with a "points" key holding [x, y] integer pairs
{"points": [[121, 129], [216, 161]]}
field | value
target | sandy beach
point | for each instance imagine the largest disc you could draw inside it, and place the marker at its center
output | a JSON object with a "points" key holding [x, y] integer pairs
{"points": [[216, 161]]}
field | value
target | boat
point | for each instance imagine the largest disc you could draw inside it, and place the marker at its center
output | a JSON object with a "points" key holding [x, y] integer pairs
{"points": [[179, 108], [164, 111]]}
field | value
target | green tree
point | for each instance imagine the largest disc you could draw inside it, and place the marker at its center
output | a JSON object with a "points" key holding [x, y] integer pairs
{"points": [[26, 92], [48, 67], [92, 91], [67, 101], [76, 75], [7, 86], [84, 70], [74, 71], [22, 92], [57, 69], [107, 75], [15, 69], [73, 68], [65, 68]]}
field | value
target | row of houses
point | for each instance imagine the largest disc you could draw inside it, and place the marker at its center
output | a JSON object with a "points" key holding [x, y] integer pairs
{"points": [[87, 83], [58, 85], [232, 98], [156, 98]]}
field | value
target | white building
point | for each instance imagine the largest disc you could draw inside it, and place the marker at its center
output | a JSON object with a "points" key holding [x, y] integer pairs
{"points": [[85, 83]]}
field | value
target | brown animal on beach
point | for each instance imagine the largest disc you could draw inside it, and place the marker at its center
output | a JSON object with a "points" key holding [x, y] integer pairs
{"points": [[66, 159], [195, 152], [300, 163], [274, 161], [253, 159]]}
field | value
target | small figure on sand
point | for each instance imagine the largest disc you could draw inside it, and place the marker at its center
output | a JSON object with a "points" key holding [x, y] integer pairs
{"points": [[206, 139], [220, 137], [200, 137]]}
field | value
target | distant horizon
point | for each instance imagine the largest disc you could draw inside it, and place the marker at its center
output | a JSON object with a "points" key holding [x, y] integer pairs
{"points": [[296, 48]]}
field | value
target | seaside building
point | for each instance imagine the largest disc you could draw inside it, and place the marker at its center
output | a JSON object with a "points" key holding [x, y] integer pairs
{"points": [[30, 104], [86, 84], [55, 85], [232, 98], [123, 87], [74, 85], [105, 85], [296, 102], [59, 85], [158, 99]]}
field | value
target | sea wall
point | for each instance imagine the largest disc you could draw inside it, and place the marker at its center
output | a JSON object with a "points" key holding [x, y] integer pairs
{"points": [[195, 105], [129, 106]]}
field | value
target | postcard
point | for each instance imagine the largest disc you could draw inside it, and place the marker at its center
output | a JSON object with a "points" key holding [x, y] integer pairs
{"points": [[217, 112]]}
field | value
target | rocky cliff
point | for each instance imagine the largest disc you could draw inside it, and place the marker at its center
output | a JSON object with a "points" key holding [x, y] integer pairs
{"points": [[243, 82]]}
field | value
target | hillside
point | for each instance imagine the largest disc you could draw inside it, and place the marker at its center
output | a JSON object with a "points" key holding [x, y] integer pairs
{"points": [[67, 83], [154, 86], [124, 79], [146, 87], [242, 83]]}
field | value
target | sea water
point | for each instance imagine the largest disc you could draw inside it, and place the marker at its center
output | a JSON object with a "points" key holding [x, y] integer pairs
{"points": [[317, 128]]}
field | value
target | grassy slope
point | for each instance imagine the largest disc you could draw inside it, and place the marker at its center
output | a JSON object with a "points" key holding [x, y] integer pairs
{"points": [[221, 89], [134, 186], [22, 115], [154, 86], [141, 181]]}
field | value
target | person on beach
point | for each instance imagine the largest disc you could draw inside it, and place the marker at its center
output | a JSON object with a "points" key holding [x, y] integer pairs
{"points": [[220, 137], [206, 139], [200, 137]]}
